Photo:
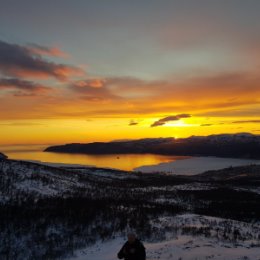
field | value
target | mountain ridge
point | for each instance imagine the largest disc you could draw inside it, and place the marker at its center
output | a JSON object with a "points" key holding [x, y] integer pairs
{"points": [[239, 145]]}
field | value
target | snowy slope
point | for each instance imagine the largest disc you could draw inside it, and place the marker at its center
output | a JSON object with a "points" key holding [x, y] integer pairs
{"points": [[64, 197], [184, 246], [26, 178], [181, 248], [22, 179]]}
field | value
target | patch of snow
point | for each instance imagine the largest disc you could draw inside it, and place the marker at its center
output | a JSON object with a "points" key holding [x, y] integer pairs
{"points": [[183, 246], [250, 189]]}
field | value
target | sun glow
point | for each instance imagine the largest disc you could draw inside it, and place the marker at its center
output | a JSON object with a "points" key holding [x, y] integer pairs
{"points": [[58, 131], [180, 123]]}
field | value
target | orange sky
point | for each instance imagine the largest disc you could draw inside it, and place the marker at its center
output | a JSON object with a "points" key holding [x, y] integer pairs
{"points": [[118, 108]]}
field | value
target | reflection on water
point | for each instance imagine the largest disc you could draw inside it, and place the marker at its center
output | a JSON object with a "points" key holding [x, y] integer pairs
{"points": [[118, 161]]}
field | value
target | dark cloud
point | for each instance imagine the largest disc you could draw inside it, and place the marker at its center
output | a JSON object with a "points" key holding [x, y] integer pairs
{"points": [[206, 124], [22, 87], [164, 120], [132, 123], [246, 121], [23, 61]]}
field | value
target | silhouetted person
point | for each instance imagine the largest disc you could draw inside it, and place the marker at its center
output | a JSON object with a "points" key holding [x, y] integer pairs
{"points": [[133, 249]]}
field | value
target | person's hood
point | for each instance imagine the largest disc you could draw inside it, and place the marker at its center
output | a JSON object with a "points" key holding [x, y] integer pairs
{"points": [[137, 241]]}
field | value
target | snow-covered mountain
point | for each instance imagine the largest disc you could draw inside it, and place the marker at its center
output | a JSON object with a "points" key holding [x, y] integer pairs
{"points": [[239, 137]]}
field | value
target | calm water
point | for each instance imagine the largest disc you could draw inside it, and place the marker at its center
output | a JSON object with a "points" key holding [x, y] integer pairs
{"points": [[118, 161]]}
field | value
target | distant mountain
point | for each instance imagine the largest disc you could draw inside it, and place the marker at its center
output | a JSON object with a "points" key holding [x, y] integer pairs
{"points": [[240, 145], [130, 146]]}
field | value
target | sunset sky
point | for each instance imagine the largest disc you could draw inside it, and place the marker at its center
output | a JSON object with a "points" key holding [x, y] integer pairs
{"points": [[89, 70]]}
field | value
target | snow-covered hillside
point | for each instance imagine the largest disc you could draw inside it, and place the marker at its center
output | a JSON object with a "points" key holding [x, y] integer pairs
{"points": [[29, 179], [60, 209], [180, 245], [182, 248]]}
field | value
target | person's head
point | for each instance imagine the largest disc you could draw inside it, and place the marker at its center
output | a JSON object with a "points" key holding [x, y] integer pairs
{"points": [[131, 237]]}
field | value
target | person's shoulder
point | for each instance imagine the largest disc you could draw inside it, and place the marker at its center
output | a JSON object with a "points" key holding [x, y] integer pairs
{"points": [[126, 243], [139, 242]]}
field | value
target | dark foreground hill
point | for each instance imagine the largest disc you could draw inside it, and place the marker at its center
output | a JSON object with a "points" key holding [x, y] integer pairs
{"points": [[49, 212], [242, 145]]}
